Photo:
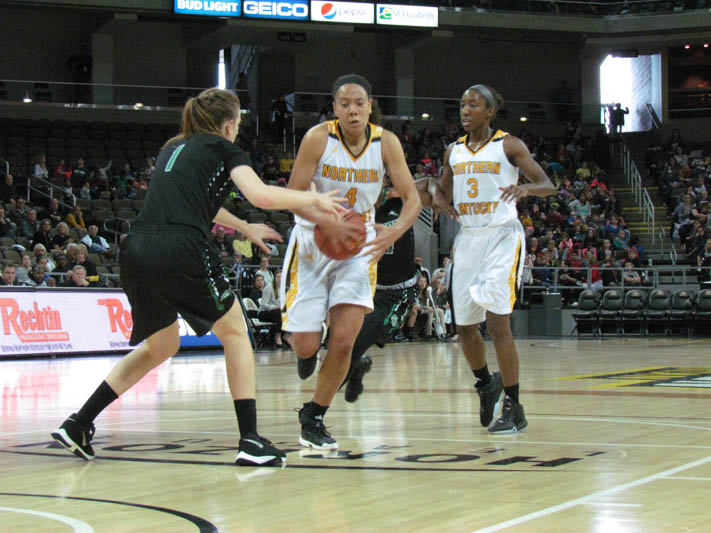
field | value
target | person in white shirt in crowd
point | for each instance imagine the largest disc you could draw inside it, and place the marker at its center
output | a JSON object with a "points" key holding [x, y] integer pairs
{"points": [[95, 242]]}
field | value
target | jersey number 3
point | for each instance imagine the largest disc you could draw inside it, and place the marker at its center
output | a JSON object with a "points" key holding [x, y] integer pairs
{"points": [[473, 191], [351, 195]]}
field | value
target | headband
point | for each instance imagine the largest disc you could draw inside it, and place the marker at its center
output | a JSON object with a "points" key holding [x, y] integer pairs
{"points": [[351, 78], [485, 92]]}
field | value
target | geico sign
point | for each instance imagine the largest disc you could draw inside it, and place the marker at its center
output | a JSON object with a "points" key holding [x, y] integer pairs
{"points": [[275, 9]]}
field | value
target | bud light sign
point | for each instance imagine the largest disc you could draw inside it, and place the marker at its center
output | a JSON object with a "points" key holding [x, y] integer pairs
{"points": [[216, 8], [284, 9]]}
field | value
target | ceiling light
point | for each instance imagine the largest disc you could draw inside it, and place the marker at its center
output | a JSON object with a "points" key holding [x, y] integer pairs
{"points": [[523, 119]]}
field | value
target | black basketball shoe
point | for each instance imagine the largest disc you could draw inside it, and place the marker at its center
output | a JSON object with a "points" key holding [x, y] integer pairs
{"points": [[489, 398], [255, 450], [512, 418], [76, 437], [354, 387], [313, 433]]}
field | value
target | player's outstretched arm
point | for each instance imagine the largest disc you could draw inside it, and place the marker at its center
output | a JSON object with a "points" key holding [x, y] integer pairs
{"points": [[517, 152], [269, 197], [256, 233]]}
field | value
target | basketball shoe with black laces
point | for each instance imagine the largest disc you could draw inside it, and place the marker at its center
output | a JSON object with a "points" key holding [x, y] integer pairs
{"points": [[76, 437], [489, 398], [255, 450], [354, 386], [313, 433], [512, 419]]}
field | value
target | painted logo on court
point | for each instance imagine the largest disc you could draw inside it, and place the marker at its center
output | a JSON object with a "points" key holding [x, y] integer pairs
{"points": [[662, 376]]}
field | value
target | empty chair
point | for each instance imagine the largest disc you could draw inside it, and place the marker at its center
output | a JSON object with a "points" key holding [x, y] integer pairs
{"points": [[609, 312], [585, 315], [702, 311], [279, 217], [657, 311], [100, 204], [257, 217], [633, 311], [681, 313]]}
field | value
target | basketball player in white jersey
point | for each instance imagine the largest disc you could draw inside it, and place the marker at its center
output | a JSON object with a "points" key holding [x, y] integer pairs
{"points": [[349, 154], [481, 172]]}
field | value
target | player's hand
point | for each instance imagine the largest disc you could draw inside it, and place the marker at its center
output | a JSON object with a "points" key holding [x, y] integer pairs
{"points": [[340, 236], [257, 233], [328, 202], [513, 193], [384, 239], [441, 205]]}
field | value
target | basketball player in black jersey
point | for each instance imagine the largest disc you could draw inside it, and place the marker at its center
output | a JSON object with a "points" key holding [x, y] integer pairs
{"points": [[168, 266], [395, 293]]}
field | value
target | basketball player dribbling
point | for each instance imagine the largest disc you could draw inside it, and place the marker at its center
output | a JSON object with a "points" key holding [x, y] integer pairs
{"points": [[481, 173], [169, 266], [350, 155]]}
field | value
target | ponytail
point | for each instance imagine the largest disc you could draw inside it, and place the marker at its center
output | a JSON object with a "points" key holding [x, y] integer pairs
{"points": [[206, 112]]}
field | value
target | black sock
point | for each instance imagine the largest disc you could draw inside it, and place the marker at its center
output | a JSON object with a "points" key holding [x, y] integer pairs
{"points": [[315, 409], [246, 416], [97, 402], [512, 392], [482, 375]]}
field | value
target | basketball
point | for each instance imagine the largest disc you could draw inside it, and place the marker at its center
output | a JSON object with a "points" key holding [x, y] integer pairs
{"points": [[349, 248]]}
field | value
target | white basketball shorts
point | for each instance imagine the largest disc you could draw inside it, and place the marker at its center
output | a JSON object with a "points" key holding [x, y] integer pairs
{"points": [[488, 263], [312, 283]]}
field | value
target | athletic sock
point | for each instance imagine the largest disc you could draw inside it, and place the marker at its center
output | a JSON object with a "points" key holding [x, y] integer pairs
{"points": [[512, 392], [482, 375], [246, 416], [97, 402], [315, 409]]}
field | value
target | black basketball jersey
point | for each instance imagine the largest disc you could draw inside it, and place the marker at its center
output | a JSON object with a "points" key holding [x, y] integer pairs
{"points": [[191, 181], [398, 263]]}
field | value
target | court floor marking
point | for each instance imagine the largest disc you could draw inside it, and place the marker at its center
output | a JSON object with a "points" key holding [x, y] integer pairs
{"points": [[689, 478], [592, 497], [78, 525]]}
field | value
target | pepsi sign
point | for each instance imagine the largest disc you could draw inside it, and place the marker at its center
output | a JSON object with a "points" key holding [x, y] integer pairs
{"points": [[346, 12], [216, 8], [283, 9]]}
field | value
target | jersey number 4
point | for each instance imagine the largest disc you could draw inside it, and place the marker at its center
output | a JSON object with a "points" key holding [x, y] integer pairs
{"points": [[351, 195], [473, 191]]}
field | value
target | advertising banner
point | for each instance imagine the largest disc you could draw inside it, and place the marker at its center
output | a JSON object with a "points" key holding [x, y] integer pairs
{"points": [[54, 322], [346, 12], [281, 9], [401, 15], [214, 8]]}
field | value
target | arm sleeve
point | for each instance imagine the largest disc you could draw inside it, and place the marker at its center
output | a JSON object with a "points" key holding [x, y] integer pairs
{"points": [[234, 156]]}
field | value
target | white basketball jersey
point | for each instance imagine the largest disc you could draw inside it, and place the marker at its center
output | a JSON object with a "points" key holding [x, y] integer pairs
{"points": [[477, 177], [358, 177]]}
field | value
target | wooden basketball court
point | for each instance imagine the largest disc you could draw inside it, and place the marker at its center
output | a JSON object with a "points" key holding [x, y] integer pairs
{"points": [[619, 440]]}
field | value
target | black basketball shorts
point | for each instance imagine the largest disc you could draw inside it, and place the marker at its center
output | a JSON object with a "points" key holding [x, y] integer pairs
{"points": [[168, 270]]}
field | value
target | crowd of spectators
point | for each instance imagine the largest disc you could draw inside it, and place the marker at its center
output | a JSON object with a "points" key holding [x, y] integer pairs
{"points": [[590, 8]]}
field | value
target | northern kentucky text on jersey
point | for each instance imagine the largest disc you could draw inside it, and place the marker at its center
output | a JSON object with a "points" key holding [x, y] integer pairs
{"points": [[477, 208], [477, 167], [351, 175]]}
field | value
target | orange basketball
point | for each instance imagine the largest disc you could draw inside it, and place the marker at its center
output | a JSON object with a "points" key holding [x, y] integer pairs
{"points": [[351, 247]]}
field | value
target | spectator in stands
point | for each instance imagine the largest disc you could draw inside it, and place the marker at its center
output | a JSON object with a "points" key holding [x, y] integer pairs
{"points": [[552, 252], [424, 310], [36, 277], [8, 275], [610, 273], [270, 171], [269, 307], [694, 242], [703, 261], [68, 191], [618, 119], [40, 169], [121, 178], [8, 191], [542, 273], [221, 243], [286, 163], [76, 278], [85, 192], [80, 174], [95, 242], [606, 250], [22, 272], [571, 281], [61, 237], [680, 157], [29, 225], [45, 263], [149, 169], [75, 218], [54, 212], [674, 141], [255, 294], [81, 259], [236, 270], [243, 246], [19, 212], [62, 172], [621, 240], [257, 156], [42, 235], [62, 262], [631, 276], [425, 143], [264, 270], [422, 269]]}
